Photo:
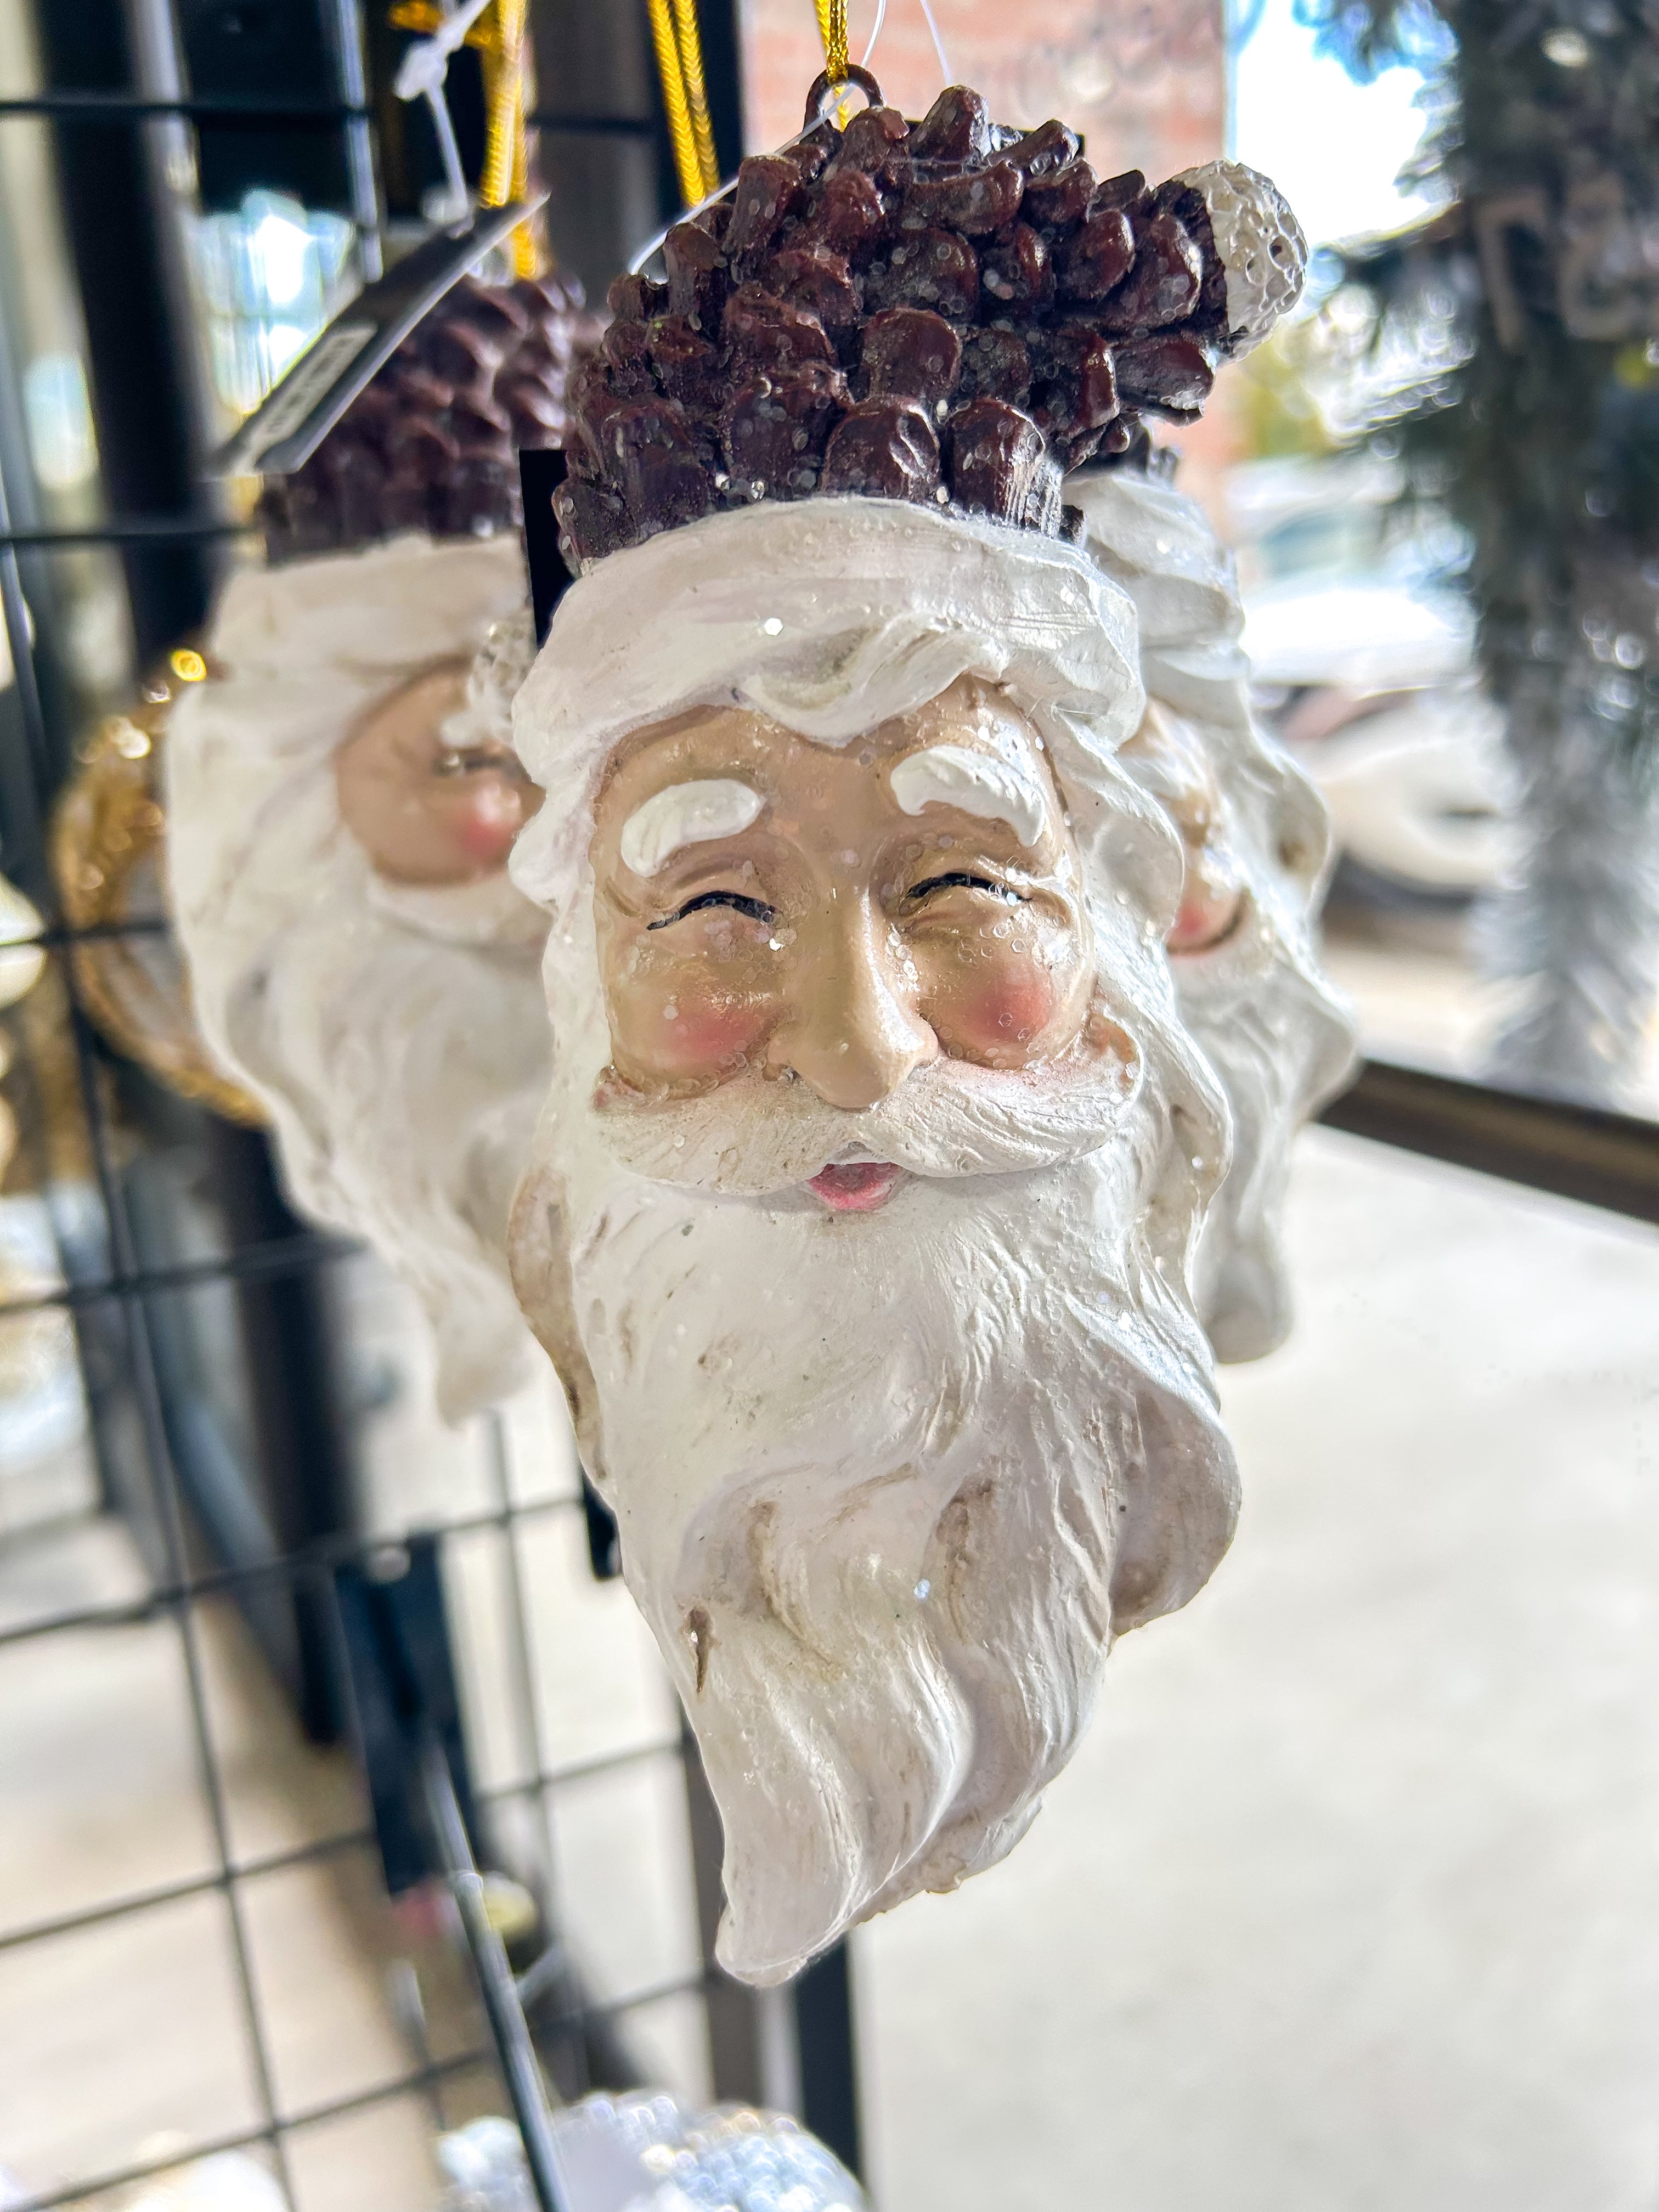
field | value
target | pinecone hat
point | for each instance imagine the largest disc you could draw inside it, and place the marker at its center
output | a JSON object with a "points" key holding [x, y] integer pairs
{"points": [[431, 443], [947, 312]]}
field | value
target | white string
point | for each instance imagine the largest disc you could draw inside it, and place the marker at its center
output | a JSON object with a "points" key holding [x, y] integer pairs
{"points": [[422, 73], [425, 62], [456, 198], [881, 17], [939, 43]]}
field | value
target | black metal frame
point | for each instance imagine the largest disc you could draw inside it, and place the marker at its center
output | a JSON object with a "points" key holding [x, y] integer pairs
{"points": [[1601, 1158]]}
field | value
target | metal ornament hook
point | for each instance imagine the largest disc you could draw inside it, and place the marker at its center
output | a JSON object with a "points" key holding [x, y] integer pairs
{"points": [[821, 102], [826, 93]]}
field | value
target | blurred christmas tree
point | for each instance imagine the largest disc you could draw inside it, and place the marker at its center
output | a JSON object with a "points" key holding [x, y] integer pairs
{"points": [[1542, 438]]}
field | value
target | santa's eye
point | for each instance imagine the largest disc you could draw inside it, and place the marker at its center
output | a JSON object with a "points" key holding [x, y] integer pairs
{"points": [[958, 881], [468, 759], [754, 908]]}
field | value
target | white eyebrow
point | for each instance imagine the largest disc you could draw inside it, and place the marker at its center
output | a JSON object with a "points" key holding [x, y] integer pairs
{"points": [[686, 814], [977, 783]]}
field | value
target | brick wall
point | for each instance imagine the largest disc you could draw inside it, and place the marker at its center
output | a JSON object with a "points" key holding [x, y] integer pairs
{"points": [[1145, 82]]}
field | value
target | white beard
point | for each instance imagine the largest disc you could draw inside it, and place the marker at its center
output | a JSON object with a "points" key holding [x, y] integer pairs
{"points": [[1279, 1043], [399, 1039], [888, 1484]]}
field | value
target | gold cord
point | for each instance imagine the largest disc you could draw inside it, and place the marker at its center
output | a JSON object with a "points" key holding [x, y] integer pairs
{"points": [[499, 36], [678, 47], [504, 100], [507, 146], [832, 29], [676, 105], [697, 93]]}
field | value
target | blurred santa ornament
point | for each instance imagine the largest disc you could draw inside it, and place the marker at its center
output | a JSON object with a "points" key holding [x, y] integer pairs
{"points": [[340, 798], [1243, 951], [335, 788]]}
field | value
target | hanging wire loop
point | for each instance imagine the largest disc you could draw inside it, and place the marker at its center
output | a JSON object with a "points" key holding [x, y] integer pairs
{"points": [[497, 28], [822, 102], [825, 95]]}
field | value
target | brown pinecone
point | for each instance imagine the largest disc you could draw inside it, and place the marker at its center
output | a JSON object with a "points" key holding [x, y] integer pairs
{"points": [[948, 312], [431, 441]]}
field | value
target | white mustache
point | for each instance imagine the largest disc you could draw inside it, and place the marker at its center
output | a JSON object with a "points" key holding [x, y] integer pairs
{"points": [[755, 1135]]}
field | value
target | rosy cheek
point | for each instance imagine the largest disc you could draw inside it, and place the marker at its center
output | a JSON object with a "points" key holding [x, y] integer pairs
{"points": [[1206, 915], [487, 844], [1002, 1014], [1210, 899], [486, 823], [697, 1033]]}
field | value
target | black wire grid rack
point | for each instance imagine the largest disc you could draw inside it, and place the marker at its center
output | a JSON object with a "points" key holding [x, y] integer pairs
{"points": [[229, 1376]]}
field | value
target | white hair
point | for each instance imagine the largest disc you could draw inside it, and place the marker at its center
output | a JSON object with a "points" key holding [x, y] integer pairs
{"points": [[393, 1035], [887, 1486], [1277, 1033], [829, 616]]}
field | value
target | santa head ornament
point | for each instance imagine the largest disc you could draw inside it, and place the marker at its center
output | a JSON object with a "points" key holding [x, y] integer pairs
{"points": [[863, 1206], [341, 795], [1242, 952]]}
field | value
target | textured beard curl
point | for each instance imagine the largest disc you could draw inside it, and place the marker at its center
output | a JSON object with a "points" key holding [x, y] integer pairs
{"points": [[888, 1484], [757, 1135]]}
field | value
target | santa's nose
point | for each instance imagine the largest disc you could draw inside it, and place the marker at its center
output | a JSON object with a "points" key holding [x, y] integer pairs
{"points": [[852, 1033]]}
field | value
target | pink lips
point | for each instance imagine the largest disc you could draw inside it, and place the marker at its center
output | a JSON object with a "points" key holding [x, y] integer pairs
{"points": [[859, 1188]]}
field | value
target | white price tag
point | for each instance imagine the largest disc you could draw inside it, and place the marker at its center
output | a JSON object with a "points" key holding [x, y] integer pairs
{"points": [[305, 384]]}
